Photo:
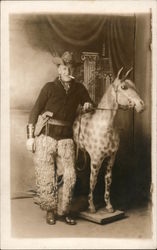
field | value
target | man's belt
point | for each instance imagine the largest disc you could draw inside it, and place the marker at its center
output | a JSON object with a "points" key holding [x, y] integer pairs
{"points": [[58, 122], [46, 118]]}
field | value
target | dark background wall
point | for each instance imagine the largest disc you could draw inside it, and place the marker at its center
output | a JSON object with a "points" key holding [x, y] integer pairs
{"points": [[132, 170], [135, 162], [31, 67], [142, 124]]}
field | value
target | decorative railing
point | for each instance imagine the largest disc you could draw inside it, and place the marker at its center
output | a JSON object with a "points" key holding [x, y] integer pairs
{"points": [[90, 60], [97, 74]]}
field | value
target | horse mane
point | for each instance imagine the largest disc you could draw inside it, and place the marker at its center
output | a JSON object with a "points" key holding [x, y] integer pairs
{"points": [[107, 97]]}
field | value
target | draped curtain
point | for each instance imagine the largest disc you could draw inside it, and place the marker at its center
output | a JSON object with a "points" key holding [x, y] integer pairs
{"points": [[77, 30], [121, 41], [57, 33]]}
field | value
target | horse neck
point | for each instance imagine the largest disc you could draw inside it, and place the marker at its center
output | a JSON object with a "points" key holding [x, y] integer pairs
{"points": [[109, 107]]}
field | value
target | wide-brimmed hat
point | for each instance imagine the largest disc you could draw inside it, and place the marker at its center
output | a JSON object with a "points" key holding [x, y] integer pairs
{"points": [[65, 59]]}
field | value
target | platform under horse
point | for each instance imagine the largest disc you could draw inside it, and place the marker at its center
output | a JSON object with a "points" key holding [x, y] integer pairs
{"points": [[95, 131]]}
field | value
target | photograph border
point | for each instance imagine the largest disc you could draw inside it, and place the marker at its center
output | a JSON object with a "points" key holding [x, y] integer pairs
{"points": [[102, 7]]}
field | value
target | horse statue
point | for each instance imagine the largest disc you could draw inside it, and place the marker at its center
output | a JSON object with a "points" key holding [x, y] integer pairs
{"points": [[95, 133]]}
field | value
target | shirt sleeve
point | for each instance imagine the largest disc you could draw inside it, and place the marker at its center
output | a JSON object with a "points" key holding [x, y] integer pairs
{"points": [[84, 95], [39, 105]]}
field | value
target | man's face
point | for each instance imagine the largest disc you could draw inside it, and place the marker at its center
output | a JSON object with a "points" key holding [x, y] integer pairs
{"points": [[65, 71]]}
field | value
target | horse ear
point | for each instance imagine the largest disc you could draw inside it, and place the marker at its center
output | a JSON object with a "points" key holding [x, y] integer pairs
{"points": [[119, 72], [127, 73]]}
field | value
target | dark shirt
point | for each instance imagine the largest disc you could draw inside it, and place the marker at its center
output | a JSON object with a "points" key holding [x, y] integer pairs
{"points": [[54, 98]]}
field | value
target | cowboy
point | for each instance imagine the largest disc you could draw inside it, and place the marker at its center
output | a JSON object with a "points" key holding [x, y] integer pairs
{"points": [[49, 137]]}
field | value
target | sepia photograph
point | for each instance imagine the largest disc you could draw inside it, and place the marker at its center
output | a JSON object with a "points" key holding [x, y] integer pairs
{"points": [[78, 124]]}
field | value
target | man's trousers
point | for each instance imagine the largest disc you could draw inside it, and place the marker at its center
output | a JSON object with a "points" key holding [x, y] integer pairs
{"points": [[54, 159]]}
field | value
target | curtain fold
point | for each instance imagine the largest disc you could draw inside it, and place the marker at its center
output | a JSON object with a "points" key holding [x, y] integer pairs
{"points": [[121, 31], [77, 30]]}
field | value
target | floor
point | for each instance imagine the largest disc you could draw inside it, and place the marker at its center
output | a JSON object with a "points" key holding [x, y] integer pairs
{"points": [[28, 221]]}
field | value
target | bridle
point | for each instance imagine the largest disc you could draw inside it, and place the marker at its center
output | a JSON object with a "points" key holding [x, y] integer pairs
{"points": [[128, 98], [109, 109]]}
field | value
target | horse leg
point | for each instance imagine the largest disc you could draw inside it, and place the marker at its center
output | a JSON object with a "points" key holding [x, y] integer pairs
{"points": [[108, 181], [93, 180]]}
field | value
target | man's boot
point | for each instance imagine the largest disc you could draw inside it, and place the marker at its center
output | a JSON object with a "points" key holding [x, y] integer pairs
{"points": [[70, 220], [50, 218]]}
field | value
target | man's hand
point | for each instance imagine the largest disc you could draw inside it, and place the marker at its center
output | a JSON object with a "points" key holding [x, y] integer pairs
{"points": [[30, 144], [87, 106]]}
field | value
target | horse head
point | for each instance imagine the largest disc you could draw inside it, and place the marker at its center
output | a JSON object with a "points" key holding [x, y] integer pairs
{"points": [[126, 93]]}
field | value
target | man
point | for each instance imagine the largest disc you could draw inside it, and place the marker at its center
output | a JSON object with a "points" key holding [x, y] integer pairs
{"points": [[49, 132]]}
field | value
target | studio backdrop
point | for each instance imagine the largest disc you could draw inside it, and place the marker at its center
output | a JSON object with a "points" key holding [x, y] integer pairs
{"points": [[35, 39]]}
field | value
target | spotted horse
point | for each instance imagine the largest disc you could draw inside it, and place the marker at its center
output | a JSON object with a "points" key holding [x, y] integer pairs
{"points": [[95, 133]]}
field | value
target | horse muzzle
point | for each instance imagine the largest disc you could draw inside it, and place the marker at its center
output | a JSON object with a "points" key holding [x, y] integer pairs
{"points": [[139, 106]]}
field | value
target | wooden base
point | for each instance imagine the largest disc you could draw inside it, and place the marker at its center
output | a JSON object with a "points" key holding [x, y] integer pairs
{"points": [[102, 216]]}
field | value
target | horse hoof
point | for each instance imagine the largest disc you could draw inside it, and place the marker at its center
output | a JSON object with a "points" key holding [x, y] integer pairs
{"points": [[92, 210], [110, 210]]}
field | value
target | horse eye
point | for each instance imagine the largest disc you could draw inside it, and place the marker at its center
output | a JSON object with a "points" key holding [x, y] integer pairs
{"points": [[124, 87]]}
